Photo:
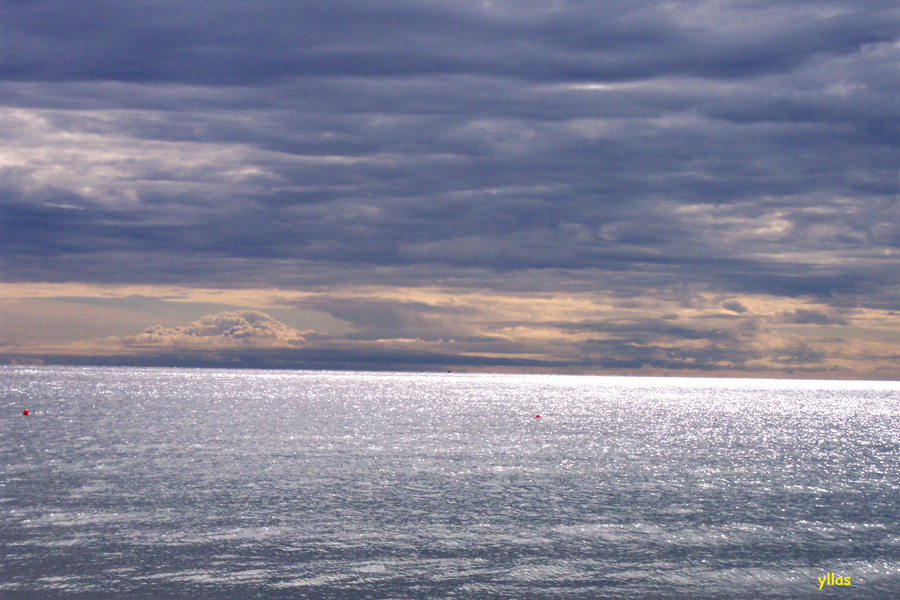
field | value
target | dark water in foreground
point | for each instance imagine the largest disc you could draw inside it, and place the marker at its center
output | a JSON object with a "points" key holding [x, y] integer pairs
{"points": [[159, 484]]}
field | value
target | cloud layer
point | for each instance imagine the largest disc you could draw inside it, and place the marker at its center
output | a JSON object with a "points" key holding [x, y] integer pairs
{"points": [[448, 328], [673, 152]]}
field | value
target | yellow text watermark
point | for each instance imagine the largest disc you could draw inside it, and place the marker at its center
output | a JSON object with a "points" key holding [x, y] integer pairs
{"points": [[832, 579]]}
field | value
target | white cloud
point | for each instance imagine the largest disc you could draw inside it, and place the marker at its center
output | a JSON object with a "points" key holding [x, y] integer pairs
{"points": [[244, 328]]}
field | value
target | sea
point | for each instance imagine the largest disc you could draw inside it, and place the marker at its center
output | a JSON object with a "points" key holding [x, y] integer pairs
{"points": [[164, 484]]}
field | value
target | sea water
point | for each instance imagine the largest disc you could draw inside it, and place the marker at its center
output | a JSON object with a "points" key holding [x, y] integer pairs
{"points": [[180, 483]]}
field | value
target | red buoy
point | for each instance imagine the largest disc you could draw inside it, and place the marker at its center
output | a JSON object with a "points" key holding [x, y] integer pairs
{"points": [[25, 412], [537, 416]]}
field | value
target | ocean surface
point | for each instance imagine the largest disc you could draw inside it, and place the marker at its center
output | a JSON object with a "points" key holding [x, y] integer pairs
{"points": [[215, 484]]}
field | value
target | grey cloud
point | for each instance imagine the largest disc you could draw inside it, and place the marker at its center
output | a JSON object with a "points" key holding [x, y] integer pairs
{"points": [[814, 317], [625, 354], [254, 43], [734, 306], [735, 148], [297, 358], [800, 355], [380, 319], [647, 330]]}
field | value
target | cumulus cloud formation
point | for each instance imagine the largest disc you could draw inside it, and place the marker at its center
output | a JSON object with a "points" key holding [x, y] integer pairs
{"points": [[246, 328]]}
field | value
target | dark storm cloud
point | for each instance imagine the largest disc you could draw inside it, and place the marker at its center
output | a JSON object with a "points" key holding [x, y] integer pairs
{"points": [[242, 42], [740, 148]]}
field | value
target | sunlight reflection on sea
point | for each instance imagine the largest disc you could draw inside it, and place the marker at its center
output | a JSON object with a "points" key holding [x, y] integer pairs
{"points": [[169, 483]]}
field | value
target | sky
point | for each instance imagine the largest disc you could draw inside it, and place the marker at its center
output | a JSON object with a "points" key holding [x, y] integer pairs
{"points": [[702, 187]]}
